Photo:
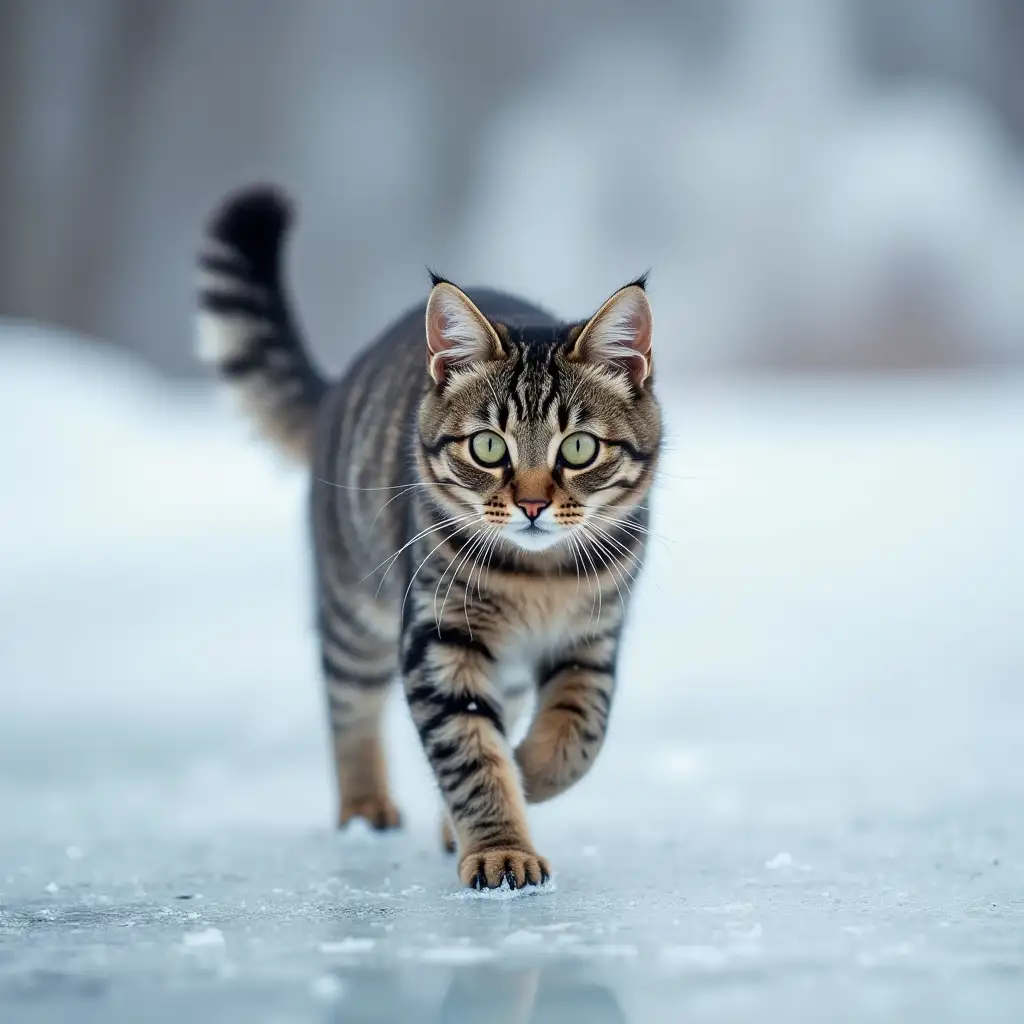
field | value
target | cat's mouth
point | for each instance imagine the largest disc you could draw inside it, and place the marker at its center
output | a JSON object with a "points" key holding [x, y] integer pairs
{"points": [[534, 536]]}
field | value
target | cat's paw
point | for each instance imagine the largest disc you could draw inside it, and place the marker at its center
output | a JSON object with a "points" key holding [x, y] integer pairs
{"points": [[488, 869], [378, 811]]}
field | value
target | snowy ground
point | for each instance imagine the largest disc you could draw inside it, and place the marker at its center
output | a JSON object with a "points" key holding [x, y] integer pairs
{"points": [[811, 805]]}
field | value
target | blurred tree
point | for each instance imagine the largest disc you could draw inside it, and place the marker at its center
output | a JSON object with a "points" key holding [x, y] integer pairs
{"points": [[15, 110], [122, 121]]}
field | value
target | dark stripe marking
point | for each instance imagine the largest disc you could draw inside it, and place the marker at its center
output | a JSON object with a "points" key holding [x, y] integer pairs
{"points": [[426, 636], [576, 665]]}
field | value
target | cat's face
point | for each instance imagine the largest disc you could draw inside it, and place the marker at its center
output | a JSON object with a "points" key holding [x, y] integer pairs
{"points": [[533, 438]]}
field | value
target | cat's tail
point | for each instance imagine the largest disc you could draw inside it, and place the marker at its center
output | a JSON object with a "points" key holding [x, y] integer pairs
{"points": [[245, 328]]}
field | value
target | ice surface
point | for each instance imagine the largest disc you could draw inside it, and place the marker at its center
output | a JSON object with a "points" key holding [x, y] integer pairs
{"points": [[831, 668]]}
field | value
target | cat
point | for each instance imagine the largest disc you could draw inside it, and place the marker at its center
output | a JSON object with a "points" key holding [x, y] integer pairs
{"points": [[478, 514]]}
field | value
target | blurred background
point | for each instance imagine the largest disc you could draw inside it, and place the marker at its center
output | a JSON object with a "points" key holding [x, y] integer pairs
{"points": [[814, 765], [819, 184]]}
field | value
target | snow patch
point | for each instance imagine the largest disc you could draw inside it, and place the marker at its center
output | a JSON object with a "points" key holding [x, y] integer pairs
{"points": [[208, 938], [456, 956], [359, 832], [327, 987], [503, 892], [706, 958], [614, 950], [349, 945], [523, 937]]}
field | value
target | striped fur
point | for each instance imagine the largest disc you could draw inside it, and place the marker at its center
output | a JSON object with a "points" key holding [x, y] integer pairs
{"points": [[245, 329], [480, 584]]}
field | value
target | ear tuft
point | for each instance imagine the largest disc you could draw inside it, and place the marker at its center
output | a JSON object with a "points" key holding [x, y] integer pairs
{"points": [[436, 278], [458, 334], [619, 334], [641, 281]]}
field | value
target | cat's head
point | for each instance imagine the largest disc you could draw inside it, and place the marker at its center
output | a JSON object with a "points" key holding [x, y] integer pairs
{"points": [[540, 433]]}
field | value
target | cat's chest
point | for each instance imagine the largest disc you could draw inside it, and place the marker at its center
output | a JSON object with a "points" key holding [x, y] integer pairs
{"points": [[539, 619]]}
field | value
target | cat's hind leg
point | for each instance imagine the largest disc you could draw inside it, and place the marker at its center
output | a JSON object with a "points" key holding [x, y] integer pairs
{"points": [[358, 669]]}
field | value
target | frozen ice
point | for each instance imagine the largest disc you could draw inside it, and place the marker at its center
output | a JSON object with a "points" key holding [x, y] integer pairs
{"points": [[780, 860], [837, 677]]}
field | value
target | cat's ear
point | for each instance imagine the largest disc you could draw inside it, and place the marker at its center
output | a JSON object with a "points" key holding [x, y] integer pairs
{"points": [[458, 334], [619, 333]]}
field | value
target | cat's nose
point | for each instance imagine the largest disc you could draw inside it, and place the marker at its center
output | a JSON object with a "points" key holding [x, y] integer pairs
{"points": [[532, 507]]}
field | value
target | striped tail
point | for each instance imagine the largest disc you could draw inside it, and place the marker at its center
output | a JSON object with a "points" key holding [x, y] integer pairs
{"points": [[245, 328]]}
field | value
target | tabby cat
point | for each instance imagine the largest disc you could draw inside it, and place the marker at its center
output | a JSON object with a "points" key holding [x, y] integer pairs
{"points": [[477, 505]]}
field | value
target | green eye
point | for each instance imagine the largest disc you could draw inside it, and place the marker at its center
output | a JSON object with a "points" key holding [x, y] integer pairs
{"points": [[488, 448], [579, 449]]}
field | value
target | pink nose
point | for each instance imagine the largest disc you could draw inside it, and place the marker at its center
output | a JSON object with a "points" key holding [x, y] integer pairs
{"points": [[532, 508]]}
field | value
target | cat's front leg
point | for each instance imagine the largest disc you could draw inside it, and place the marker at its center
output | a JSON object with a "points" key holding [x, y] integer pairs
{"points": [[449, 683], [574, 696]]}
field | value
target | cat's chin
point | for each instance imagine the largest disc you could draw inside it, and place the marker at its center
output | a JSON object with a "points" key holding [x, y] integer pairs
{"points": [[534, 538]]}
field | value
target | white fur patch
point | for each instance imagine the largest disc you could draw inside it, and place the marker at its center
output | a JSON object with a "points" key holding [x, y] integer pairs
{"points": [[457, 333], [621, 331], [464, 335], [220, 337], [614, 335]]}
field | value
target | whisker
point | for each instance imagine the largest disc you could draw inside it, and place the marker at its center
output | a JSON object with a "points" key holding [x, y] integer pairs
{"points": [[394, 497], [611, 565], [602, 532], [597, 580], [576, 554], [492, 544], [437, 589], [494, 394], [412, 540], [395, 487], [469, 585], [412, 579], [575, 560], [631, 555], [635, 528], [471, 543]]}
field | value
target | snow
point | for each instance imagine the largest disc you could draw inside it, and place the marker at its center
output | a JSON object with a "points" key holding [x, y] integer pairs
{"points": [[205, 939], [811, 801], [346, 946], [503, 892], [456, 956], [784, 200]]}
